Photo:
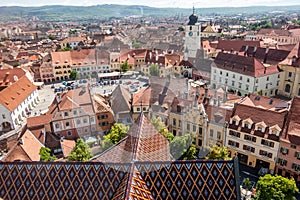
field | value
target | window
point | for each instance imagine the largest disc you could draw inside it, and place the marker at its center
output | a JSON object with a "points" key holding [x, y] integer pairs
{"points": [[297, 155], [241, 78], [220, 72], [179, 123], [220, 79], [67, 124], [174, 122], [247, 87], [232, 83], [299, 92], [56, 125], [188, 127], [267, 78], [293, 146], [84, 121], [248, 148], [144, 109], [69, 133], [284, 151], [233, 133], [66, 114], [290, 74], [233, 75], [234, 144], [248, 80], [265, 153], [240, 85], [282, 162], [78, 121], [287, 88], [194, 128], [3, 116], [200, 131], [199, 142], [296, 167], [227, 74], [75, 112], [219, 135], [250, 138], [267, 143], [138, 109], [247, 126], [211, 133]]}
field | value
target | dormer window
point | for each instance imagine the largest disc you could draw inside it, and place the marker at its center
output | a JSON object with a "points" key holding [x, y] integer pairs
{"points": [[261, 126], [247, 123], [275, 130], [235, 120]]}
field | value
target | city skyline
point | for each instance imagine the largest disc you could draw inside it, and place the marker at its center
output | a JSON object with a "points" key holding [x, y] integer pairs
{"points": [[154, 3]]}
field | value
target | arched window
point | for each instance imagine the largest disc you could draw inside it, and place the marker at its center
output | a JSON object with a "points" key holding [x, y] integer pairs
{"points": [[287, 88]]}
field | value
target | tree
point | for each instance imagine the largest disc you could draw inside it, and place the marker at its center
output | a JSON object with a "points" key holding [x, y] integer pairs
{"points": [[154, 70], [45, 154], [136, 45], [247, 184], [190, 154], [218, 153], [124, 67], [117, 132], [81, 152], [275, 188], [162, 128], [74, 75], [181, 147]]}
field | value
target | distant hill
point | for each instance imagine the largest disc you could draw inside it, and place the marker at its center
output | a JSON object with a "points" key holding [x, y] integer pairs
{"points": [[108, 10]]}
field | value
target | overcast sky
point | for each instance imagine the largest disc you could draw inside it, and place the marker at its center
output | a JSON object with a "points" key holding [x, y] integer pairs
{"points": [[153, 3]]}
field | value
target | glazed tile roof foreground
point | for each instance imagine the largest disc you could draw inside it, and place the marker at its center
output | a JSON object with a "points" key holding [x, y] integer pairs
{"points": [[199, 179]]}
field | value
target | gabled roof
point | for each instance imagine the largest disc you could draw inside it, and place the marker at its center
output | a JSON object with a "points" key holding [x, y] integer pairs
{"points": [[27, 149], [273, 32], [38, 120], [266, 55], [291, 130], [142, 97], [235, 45], [8, 76], [100, 104], [120, 99], [243, 65], [294, 54], [198, 179], [12, 96], [142, 143]]}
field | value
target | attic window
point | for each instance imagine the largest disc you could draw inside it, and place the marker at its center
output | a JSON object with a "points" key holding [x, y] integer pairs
{"points": [[66, 61], [13, 98], [23, 89], [28, 85], [6, 103], [18, 93]]}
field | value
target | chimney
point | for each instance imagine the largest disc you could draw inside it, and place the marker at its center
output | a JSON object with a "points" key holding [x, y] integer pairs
{"points": [[150, 55], [266, 54], [246, 51]]}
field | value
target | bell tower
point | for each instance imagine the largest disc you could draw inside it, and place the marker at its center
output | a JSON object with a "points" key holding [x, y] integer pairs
{"points": [[192, 35]]}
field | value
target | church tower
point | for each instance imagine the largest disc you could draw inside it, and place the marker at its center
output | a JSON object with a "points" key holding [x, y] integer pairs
{"points": [[192, 35]]}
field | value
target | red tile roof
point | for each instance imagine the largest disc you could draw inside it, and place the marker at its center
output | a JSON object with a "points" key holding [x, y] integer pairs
{"points": [[8, 76], [243, 65], [28, 148], [12, 96], [38, 120], [295, 53], [142, 97], [235, 45], [142, 143], [292, 129], [273, 32]]}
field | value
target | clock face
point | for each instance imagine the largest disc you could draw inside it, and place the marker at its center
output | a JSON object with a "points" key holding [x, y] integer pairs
{"points": [[190, 33]]}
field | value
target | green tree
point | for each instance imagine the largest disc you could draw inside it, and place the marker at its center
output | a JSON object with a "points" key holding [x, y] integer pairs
{"points": [[181, 147], [51, 37], [247, 184], [117, 132], [45, 154], [74, 75], [124, 67], [136, 45], [154, 70], [275, 188], [81, 152], [218, 153], [162, 128], [190, 154]]}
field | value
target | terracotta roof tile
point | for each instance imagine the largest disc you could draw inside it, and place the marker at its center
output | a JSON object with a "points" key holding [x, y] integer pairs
{"points": [[12, 96], [38, 120], [29, 147], [7, 75], [67, 146], [244, 65], [235, 45]]}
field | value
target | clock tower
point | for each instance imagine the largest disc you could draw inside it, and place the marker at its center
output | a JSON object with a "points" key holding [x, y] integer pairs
{"points": [[192, 35]]}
